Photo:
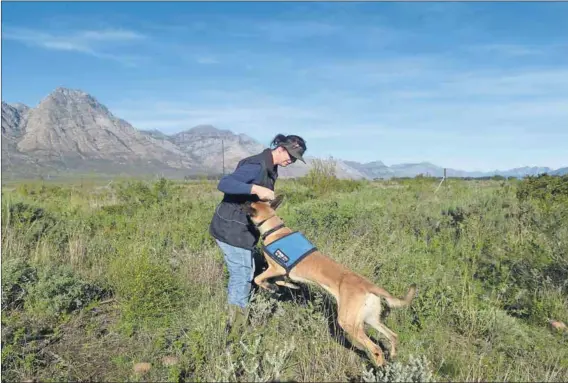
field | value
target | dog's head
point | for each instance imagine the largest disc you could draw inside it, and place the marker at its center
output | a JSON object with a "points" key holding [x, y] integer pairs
{"points": [[261, 211]]}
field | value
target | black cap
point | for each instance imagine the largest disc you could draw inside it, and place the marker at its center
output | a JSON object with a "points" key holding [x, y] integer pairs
{"points": [[295, 150]]}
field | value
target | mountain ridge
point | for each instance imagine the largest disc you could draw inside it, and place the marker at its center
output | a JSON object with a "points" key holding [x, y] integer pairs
{"points": [[70, 130]]}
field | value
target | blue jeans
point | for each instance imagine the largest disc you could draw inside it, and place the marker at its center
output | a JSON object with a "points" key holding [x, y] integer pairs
{"points": [[240, 263]]}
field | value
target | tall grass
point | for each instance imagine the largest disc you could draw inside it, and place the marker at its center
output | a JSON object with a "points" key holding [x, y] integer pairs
{"points": [[97, 278]]}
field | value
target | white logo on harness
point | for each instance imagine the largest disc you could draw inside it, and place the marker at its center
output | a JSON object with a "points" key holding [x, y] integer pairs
{"points": [[280, 255]]}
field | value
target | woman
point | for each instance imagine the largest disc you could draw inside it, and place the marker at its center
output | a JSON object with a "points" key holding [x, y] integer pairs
{"points": [[252, 180]]}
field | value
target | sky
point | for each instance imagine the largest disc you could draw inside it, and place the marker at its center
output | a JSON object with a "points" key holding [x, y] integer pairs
{"points": [[463, 85]]}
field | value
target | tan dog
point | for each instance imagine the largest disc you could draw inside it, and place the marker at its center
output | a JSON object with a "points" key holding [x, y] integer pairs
{"points": [[358, 299]]}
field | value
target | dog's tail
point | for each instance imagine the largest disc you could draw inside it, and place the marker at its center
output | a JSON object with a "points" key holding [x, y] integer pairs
{"points": [[394, 302]]}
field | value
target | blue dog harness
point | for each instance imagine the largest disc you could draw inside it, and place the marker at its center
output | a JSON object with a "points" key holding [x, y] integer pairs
{"points": [[290, 249]]}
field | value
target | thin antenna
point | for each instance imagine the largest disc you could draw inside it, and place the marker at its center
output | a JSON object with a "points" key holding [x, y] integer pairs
{"points": [[223, 153], [441, 180]]}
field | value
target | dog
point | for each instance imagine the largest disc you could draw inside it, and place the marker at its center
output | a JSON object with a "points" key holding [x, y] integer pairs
{"points": [[358, 299]]}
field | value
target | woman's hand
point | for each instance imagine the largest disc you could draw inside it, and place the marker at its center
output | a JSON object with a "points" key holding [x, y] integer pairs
{"points": [[263, 193]]}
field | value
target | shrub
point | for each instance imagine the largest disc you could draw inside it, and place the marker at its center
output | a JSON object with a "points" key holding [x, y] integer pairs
{"points": [[59, 291], [140, 192], [17, 276], [319, 217], [146, 287], [322, 179], [35, 223], [544, 187], [255, 362], [417, 370]]}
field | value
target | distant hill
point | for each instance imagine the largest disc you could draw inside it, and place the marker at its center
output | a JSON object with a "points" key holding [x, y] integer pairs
{"points": [[70, 131], [560, 172]]}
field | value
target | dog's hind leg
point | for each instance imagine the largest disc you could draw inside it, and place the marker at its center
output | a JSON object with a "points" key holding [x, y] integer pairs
{"points": [[350, 318], [373, 350], [373, 310], [388, 333]]}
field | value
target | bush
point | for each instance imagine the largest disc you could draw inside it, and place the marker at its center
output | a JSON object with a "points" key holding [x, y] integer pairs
{"points": [[322, 179], [59, 291], [146, 287], [17, 276], [140, 192], [35, 223], [26, 214], [544, 187], [322, 217], [490, 269], [255, 362], [417, 370]]}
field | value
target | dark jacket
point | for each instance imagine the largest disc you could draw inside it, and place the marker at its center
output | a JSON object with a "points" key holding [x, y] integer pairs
{"points": [[230, 224]]}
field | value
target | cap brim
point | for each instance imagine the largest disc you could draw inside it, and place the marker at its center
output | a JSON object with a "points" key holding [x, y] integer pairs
{"points": [[296, 155], [295, 151]]}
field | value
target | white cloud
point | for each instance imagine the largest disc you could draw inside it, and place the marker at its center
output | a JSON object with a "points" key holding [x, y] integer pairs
{"points": [[378, 71], [442, 123], [92, 42], [239, 118], [287, 30], [207, 60], [526, 101], [508, 83], [110, 35], [507, 49]]}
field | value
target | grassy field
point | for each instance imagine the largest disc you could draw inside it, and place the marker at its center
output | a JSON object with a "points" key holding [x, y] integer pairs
{"points": [[97, 277]]}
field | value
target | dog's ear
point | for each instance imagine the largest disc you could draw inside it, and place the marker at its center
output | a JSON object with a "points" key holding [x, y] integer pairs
{"points": [[248, 209], [276, 202]]}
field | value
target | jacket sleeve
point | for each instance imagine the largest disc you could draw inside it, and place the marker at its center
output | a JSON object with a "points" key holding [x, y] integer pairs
{"points": [[240, 181]]}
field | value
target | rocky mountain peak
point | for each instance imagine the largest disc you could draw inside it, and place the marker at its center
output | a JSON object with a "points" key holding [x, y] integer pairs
{"points": [[21, 108], [67, 92], [375, 163], [13, 119], [205, 143], [72, 99], [208, 130], [72, 124], [70, 129]]}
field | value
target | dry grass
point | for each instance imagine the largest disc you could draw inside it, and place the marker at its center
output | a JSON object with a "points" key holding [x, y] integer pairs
{"points": [[488, 268]]}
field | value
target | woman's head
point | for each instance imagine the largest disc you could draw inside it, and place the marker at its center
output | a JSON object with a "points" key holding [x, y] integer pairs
{"points": [[287, 149]]}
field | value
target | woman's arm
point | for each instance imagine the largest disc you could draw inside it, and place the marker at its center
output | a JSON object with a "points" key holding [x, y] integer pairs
{"points": [[239, 182]]}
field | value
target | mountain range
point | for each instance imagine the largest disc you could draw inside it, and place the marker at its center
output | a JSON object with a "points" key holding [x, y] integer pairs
{"points": [[70, 132]]}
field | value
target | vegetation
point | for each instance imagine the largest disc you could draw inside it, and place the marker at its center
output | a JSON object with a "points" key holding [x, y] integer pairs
{"points": [[97, 277]]}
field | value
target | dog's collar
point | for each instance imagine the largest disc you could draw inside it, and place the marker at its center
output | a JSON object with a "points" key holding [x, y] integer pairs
{"points": [[261, 223], [274, 229]]}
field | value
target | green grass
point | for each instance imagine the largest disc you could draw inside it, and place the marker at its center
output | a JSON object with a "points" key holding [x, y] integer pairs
{"points": [[97, 277]]}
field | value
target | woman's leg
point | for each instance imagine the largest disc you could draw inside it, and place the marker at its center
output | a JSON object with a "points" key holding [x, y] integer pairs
{"points": [[241, 272], [241, 266]]}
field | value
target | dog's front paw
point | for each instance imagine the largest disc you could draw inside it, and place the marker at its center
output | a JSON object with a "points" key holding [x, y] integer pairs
{"points": [[269, 287], [290, 285], [392, 355]]}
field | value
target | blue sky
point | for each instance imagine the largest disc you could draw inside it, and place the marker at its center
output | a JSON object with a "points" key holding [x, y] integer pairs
{"points": [[473, 86]]}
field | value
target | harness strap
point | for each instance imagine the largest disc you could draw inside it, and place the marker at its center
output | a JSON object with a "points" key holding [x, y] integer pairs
{"points": [[272, 231], [260, 223], [288, 250]]}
